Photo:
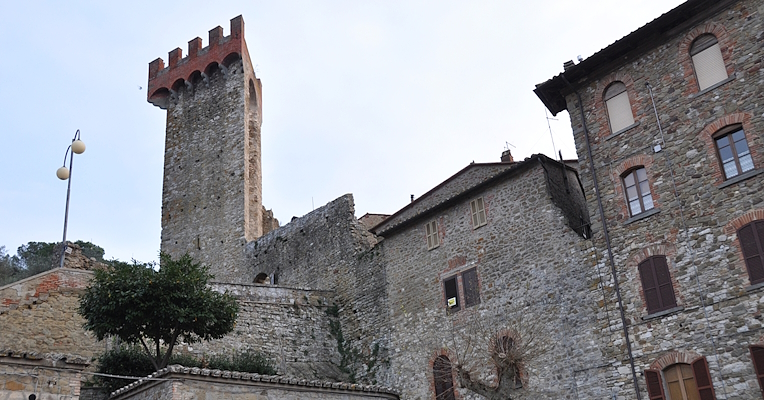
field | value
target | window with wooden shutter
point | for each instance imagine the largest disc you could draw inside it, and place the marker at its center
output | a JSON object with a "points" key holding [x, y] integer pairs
{"points": [[751, 238], [431, 230], [478, 213], [443, 379], [757, 355], [654, 385], [703, 379], [471, 289], [451, 290], [618, 107], [656, 284], [707, 61]]}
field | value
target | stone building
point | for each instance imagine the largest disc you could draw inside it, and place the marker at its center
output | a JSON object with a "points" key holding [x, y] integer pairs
{"points": [[668, 127]]}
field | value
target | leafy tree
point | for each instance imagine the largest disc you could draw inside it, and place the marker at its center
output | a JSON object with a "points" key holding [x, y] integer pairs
{"points": [[142, 305], [91, 250], [10, 267], [39, 257]]}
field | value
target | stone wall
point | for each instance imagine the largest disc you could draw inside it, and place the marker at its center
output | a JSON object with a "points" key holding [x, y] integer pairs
{"points": [[19, 380], [697, 212], [175, 383], [530, 281], [290, 326], [38, 315]]}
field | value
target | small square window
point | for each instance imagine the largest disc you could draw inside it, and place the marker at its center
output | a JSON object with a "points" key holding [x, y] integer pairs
{"points": [[467, 295], [431, 229], [478, 213]]}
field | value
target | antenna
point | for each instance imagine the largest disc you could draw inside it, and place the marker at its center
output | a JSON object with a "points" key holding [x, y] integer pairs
{"points": [[546, 114], [507, 145]]}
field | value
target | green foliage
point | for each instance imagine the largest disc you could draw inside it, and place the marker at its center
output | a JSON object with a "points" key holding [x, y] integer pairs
{"points": [[131, 360], [248, 361], [135, 302], [39, 257], [10, 267], [91, 250]]}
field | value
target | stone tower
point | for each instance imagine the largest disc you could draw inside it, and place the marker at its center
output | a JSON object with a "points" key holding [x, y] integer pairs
{"points": [[212, 191]]}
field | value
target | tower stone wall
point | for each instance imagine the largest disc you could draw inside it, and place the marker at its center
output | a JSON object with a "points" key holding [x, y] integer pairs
{"points": [[212, 191]]}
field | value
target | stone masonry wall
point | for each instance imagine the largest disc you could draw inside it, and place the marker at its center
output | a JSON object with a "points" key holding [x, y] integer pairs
{"points": [[38, 316], [47, 382], [329, 248], [211, 200], [698, 212], [289, 325], [530, 280]]}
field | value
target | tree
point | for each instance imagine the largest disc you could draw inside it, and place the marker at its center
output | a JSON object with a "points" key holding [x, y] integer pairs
{"points": [[142, 305], [10, 267], [39, 257]]}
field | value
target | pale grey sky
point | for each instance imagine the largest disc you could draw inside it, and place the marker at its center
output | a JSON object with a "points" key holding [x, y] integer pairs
{"points": [[382, 99]]}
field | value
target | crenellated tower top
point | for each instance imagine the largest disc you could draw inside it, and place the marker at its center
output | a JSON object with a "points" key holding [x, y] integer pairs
{"points": [[199, 64]]}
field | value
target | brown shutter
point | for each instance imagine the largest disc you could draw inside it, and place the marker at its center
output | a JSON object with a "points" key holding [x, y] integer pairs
{"points": [[654, 384], [757, 355], [665, 287], [703, 379], [750, 237], [471, 289], [444, 381], [649, 286]]}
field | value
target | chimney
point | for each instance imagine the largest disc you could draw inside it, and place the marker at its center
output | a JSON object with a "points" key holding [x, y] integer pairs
{"points": [[506, 157], [567, 64]]}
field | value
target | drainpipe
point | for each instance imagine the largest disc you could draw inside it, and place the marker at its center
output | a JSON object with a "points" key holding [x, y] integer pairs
{"points": [[607, 238]]}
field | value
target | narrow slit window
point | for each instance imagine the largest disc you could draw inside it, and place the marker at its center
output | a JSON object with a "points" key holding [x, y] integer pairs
{"points": [[707, 61], [618, 107]]}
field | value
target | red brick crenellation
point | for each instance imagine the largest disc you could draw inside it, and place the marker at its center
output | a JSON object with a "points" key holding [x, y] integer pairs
{"points": [[180, 70]]}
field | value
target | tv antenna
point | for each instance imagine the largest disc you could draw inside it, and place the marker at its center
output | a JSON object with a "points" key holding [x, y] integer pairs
{"points": [[546, 114]]}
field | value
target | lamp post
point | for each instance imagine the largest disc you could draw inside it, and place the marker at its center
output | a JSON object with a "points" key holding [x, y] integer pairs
{"points": [[63, 173]]}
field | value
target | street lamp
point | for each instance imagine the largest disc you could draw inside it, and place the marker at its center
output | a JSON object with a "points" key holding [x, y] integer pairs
{"points": [[63, 173]]}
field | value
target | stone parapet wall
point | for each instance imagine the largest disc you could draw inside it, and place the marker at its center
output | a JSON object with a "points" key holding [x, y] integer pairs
{"points": [[47, 382]]}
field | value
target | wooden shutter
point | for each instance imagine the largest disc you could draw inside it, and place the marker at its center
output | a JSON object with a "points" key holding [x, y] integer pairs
{"points": [[709, 66], [750, 237], [656, 284], [654, 385], [757, 355], [471, 289], [703, 379]]}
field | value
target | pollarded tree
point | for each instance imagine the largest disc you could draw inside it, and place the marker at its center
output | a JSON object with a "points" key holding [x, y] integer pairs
{"points": [[140, 304]]}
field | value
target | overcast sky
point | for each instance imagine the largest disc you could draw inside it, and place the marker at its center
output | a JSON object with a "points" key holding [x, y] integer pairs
{"points": [[382, 99]]}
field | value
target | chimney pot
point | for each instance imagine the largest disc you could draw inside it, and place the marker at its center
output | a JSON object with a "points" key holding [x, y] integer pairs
{"points": [[506, 156]]}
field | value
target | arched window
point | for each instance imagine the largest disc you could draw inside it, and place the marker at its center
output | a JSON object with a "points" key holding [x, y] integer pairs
{"points": [[637, 190], [751, 238], [683, 382], [262, 278], [444, 380], [618, 107], [707, 61], [757, 355], [656, 284], [733, 151]]}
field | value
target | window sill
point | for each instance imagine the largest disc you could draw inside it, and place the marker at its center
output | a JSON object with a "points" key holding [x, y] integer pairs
{"points": [[634, 125], [643, 215], [740, 178], [755, 287], [714, 86], [663, 313]]}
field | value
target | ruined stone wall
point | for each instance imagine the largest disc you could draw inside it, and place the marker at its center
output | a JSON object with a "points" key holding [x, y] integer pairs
{"points": [[38, 316], [530, 280], [329, 249], [719, 311], [212, 194], [291, 326]]}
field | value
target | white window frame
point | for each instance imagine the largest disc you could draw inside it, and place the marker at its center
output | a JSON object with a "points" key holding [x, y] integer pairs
{"points": [[477, 208], [431, 231]]}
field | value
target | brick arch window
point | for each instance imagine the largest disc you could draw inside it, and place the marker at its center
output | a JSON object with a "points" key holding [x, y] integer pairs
{"points": [[637, 190], [732, 150], [681, 381], [757, 356], [618, 107], [707, 61], [443, 378], [751, 238], [656, 284]]}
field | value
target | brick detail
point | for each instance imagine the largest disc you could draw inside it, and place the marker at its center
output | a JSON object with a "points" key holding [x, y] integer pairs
{"points": [[674, 357]]}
